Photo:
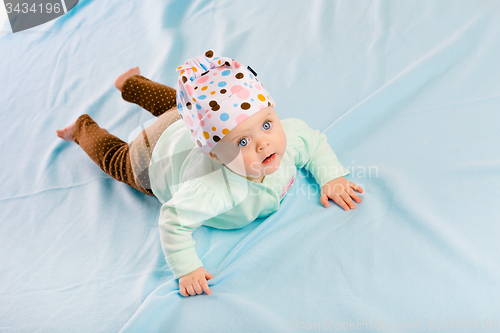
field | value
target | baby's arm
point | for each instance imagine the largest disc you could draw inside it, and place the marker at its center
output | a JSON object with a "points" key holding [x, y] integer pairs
{"points": [[315, 155], [189, 208], [180, 254]]}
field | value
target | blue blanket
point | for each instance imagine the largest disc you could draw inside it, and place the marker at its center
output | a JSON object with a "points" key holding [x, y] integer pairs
{"points": [[407, 93]]}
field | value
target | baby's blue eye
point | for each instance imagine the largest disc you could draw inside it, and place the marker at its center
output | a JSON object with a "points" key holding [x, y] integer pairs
{"points": [[241, 141], [245, 141]]}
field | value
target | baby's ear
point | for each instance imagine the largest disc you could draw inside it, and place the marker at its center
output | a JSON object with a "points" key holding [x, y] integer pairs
{"points": [[214, 158]]}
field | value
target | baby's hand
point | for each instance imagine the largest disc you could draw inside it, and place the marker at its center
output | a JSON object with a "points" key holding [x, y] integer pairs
{"points": [[195, 282], [340, 190]]}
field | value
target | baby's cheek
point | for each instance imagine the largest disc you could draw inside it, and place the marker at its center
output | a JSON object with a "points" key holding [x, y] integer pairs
{"points": [[252, 167], [244, 165], [283, 136]]}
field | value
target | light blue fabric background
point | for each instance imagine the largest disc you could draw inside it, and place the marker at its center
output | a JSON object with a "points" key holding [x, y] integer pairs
{"points": [[407, 93]]}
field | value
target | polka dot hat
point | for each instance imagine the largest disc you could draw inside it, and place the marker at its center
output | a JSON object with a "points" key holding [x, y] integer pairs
{"points": [[214, 95]]}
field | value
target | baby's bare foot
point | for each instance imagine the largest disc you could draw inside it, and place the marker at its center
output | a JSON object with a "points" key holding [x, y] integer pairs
{"points": [[66, 132], [120, 80]]}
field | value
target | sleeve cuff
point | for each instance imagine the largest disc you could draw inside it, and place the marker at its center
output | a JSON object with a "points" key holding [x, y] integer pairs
{"points": [[329, 174], [183, 262]]}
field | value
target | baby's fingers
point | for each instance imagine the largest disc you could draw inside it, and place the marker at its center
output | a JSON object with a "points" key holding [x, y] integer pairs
{"points": [[183, 291], [190, 290], [197, 287], [339, 201], [356, 187], [354, 195], [204, 285], [348, 200], [324, 200]]}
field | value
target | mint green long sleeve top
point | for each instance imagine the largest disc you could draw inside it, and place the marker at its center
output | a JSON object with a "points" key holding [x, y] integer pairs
{"points": [[195, 191]]}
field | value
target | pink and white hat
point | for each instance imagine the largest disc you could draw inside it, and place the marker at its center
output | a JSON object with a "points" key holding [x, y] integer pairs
{"points": [[215, 94]]}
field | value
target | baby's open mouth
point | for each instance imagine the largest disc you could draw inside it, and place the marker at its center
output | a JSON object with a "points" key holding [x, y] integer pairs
{"points": [[267, 158]]}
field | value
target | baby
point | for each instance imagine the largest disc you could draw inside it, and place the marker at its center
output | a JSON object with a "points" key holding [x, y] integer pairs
{"points": [[228, 162]]}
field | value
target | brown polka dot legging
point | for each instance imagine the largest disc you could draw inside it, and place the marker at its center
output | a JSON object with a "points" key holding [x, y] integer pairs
{"points": [[129, 163]]}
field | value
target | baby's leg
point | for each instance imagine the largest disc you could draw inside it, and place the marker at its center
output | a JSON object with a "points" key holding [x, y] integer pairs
{"points": [[109, 152], [155, 97]]}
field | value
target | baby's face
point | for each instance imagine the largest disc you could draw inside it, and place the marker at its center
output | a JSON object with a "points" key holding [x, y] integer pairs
{"points": [[256, 138]]}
